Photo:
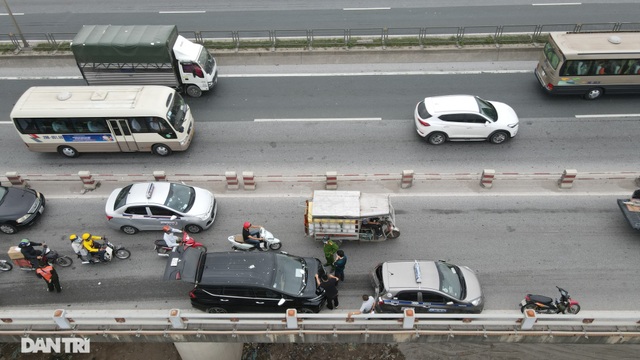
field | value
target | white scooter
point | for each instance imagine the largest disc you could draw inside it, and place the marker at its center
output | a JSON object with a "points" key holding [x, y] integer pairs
{"points": [[270, 242]]}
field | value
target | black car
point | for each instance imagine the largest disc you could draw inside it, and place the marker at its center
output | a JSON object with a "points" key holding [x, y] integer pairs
{"points": [[19, 207], [248, 281]]}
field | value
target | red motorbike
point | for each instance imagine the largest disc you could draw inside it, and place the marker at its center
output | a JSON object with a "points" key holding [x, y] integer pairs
{"points": [[163, 249], [546, 305]]}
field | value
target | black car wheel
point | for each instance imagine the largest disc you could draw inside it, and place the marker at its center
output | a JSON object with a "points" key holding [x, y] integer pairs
{"points": [[216, 310], [305, 311], [8, 229]]}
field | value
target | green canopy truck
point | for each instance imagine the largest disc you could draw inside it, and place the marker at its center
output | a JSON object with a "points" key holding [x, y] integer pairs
{"points": [[143, 55]]}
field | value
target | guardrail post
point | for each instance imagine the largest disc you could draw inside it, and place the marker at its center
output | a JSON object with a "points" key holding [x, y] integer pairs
{"points": [[248, 180], [332, 180], [159, 176], [292, 319], [529, 319], [61, 320], [176, 319], [487, 178], [88, 183], [409, 319], [407, 179], [15, 179], [232, 180], [567, 178]]}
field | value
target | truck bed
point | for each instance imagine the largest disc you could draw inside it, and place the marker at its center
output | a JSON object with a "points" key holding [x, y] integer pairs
{"points": [[631, 212]]}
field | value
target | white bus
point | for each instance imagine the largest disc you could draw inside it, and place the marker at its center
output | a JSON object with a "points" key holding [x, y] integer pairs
{"points": [[590, 64], [76, 119]]}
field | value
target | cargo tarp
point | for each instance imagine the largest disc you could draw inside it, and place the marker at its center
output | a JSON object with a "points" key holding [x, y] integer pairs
{"points": [[124, 44]]}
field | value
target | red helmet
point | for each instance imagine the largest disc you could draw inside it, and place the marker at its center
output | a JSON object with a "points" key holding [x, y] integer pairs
{"points": [[247, 224], [166, 228]]}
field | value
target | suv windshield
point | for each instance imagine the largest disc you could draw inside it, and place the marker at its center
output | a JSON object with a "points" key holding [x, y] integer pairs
{"points": [[487, 109], [451, 281], [180, 197], [291, 274], [177, 111]]}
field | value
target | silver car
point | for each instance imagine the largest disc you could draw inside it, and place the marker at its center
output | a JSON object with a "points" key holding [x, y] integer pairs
{"points": [[426, 287], [150, 206]]}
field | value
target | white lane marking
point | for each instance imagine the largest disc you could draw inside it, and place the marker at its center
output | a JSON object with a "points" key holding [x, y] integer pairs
{"points": [[318, 119], [366, 9], [182, 12], [372, 73], [5, 14], [593, 116], [556, 4], [6, 123]]}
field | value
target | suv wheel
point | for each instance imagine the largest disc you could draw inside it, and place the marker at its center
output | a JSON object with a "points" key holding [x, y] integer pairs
{"points": [[437, 138], [498, 137], [216, 310]]}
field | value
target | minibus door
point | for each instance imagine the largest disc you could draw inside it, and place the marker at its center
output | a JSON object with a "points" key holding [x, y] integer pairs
{"points": [[122, 133]]}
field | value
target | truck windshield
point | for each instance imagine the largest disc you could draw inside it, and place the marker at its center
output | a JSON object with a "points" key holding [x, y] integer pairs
{"points": [[206, 61], [177, 111]]}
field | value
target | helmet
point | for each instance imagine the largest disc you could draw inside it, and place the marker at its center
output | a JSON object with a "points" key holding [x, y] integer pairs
{"points": [[247, 224], [166, 228], [73, 237], [86, 236], [24, 243]]}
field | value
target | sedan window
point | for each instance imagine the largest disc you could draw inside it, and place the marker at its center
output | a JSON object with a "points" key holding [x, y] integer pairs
{"points": [[136, 210], [432, 298], [160, 211], [408, 296]]}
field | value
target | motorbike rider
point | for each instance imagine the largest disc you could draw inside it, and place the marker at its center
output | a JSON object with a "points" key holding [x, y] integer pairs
{"points": [[78, 248], [169, 238], [93, 247], [29, 253], [252, 237]]}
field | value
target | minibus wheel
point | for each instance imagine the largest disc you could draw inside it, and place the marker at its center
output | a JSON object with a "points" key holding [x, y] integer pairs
{"points": [[67, 151], [593, 93], [161, 149]]}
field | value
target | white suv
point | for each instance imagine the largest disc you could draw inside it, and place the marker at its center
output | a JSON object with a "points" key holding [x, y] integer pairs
{"points": [[464, 118]]}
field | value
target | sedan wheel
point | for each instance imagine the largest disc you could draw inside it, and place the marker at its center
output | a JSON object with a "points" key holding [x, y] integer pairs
{"points": [[8, 229], [129, 230], [193, 228], [437, 138]]}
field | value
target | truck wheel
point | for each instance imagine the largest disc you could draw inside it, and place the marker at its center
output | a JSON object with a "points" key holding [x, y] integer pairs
{"points": [[194, 91], [161, 149], [68, 151]]}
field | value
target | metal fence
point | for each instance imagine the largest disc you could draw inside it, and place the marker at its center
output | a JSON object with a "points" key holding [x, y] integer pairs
{"points": [[613, 327], [369, 37]]}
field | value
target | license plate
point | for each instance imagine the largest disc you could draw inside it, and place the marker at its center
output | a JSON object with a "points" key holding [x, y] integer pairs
{"points": [[523, 303], [41, 210]]}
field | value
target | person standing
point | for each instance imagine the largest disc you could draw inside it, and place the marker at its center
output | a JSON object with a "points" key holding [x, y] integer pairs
{"points": [[340, 263], [329, 283], [330, 249], [49, 275]]}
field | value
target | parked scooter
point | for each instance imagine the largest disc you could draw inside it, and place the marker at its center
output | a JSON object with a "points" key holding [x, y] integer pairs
{"points": [[163, 249], [111, 250], [546, 305], [270, 242]]}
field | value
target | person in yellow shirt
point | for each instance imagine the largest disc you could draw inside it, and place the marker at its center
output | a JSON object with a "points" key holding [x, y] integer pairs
{"points": [[93, 247]]}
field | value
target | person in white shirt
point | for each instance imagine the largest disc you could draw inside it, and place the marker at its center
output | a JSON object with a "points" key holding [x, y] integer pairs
{"points": [[169, 237]]}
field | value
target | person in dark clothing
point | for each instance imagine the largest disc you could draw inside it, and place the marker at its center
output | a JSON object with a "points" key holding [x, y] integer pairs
{"points": [[251, 237], [340, 263], [46, 272], [329, 284], [29, 253]]}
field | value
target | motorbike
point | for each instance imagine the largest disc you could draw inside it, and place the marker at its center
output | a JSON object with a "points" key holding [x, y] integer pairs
{"points": [[270, 242], [546, 305], [112, 250], [51, 256], [163, 249]]}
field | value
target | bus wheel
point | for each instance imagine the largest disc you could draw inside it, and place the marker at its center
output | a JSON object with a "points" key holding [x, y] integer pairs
{"points": [[194, 91], [67, 151], [161, 149], [593, 93]]}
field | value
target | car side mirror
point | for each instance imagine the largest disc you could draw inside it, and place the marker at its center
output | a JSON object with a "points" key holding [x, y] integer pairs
{"points": [[173, 217], [281, 302], [450, 303]]}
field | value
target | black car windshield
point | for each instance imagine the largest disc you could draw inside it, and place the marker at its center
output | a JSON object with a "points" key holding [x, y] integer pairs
{"points": [[180, 198], [487, 109], [451, 280], [3, 192], [290, 277]]}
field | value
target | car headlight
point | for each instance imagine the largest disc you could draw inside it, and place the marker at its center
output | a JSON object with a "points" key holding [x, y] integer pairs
{"points": [[23, 218], [512, 125]]}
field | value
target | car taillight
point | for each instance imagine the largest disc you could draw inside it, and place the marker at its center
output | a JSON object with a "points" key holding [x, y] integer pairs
{"points": [[424, 123], [549, 86], [528, 298], [192, 294], [109, 217]]}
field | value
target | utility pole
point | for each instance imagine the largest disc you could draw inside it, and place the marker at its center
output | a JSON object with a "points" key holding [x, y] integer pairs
{"points": [[24, 41]]}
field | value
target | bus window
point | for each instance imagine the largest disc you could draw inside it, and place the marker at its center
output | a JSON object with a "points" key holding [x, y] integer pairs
{"points": [[552, 57], [96, 125], [26, 126], [576, 67], [60, 126], [138, 125], [632, 67]]}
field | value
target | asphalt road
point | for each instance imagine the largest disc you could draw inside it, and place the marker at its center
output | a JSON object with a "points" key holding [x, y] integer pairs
{"points": [[517, 245]]}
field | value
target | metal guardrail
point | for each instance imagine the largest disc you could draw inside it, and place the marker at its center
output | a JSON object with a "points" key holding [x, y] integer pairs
{"points": [[177, 326], [382, 37]]}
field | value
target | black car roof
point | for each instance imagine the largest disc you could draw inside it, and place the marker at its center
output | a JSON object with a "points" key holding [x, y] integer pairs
{"points": [[238, 268]]}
